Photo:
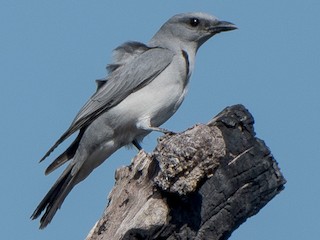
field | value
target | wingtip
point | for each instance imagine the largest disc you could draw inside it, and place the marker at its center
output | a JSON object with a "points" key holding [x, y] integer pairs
{"points": [[48, 153], [43, 158], [60, 140]]}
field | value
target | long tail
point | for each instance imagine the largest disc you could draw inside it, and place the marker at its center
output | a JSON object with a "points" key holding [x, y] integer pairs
{"points": [[54, 198]]}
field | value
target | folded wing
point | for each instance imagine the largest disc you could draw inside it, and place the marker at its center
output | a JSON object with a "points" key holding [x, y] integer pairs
{"points": [[126, 76]]}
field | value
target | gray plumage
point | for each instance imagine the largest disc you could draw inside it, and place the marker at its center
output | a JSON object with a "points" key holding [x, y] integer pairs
{"points": [[145, 86]]}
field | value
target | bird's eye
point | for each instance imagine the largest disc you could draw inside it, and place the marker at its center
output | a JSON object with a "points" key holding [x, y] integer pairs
{"points": [[194, 22]]}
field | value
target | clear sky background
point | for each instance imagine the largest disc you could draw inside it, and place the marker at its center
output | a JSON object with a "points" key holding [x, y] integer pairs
{"points": [[52, 51]]}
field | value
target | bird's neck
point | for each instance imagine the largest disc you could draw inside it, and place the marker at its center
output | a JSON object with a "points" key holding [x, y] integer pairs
{"points": [[187, 50], [177, 47], [190, 54]]}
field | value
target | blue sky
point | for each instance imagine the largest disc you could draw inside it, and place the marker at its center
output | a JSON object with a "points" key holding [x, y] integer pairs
{"points": [[52, 51]]}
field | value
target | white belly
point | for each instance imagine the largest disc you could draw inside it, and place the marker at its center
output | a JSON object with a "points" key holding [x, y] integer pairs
{"points": [[156, 102]]}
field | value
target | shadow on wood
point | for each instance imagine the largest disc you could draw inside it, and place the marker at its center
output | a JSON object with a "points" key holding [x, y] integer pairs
{"points": [[199, 184]]}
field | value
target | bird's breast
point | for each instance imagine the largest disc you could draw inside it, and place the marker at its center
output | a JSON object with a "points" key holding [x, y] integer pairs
{"points": [[156, 102], [160, 99]]}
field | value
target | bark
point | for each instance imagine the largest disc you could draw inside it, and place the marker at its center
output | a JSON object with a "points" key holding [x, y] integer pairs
{"points": [[199, 184]]}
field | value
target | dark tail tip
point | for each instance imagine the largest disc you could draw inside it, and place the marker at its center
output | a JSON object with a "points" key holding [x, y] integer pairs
{"points": [[53, 199]]}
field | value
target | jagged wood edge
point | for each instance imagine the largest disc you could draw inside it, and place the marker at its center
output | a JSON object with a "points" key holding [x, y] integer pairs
{"points": [[247, 177]]}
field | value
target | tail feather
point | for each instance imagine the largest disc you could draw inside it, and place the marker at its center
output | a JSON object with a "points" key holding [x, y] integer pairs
{"points": [[54, 198]]}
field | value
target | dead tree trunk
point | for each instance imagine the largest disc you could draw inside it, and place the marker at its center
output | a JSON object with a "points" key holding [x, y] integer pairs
{"points": [[199, 184]]}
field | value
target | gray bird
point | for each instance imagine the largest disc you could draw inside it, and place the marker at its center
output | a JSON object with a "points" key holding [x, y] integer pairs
{"points": [[145, 86]]}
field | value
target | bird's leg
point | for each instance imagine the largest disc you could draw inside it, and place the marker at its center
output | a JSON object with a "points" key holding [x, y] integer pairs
{"points": [[146, 125], [163, 130], [157, 129], [136, 144]]}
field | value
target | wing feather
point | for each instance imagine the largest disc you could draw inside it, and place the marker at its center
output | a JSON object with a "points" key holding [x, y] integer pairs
{"points": [[122, 81]]}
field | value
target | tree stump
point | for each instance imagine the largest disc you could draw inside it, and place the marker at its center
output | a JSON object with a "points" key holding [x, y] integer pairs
{"points": [[199, 184]]}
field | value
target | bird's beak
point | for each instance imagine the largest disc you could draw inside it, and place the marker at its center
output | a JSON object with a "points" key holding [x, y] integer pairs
{"points": [[222, 26]]}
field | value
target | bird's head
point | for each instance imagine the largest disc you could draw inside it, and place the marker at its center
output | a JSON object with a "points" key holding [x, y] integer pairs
{"points": [[189, 28]]}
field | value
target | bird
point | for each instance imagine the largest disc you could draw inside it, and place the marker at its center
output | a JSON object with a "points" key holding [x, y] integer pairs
{"points": [[144, 87]]}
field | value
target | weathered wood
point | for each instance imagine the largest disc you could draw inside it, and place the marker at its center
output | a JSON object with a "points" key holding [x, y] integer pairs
{"points": [[199, 184]]}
